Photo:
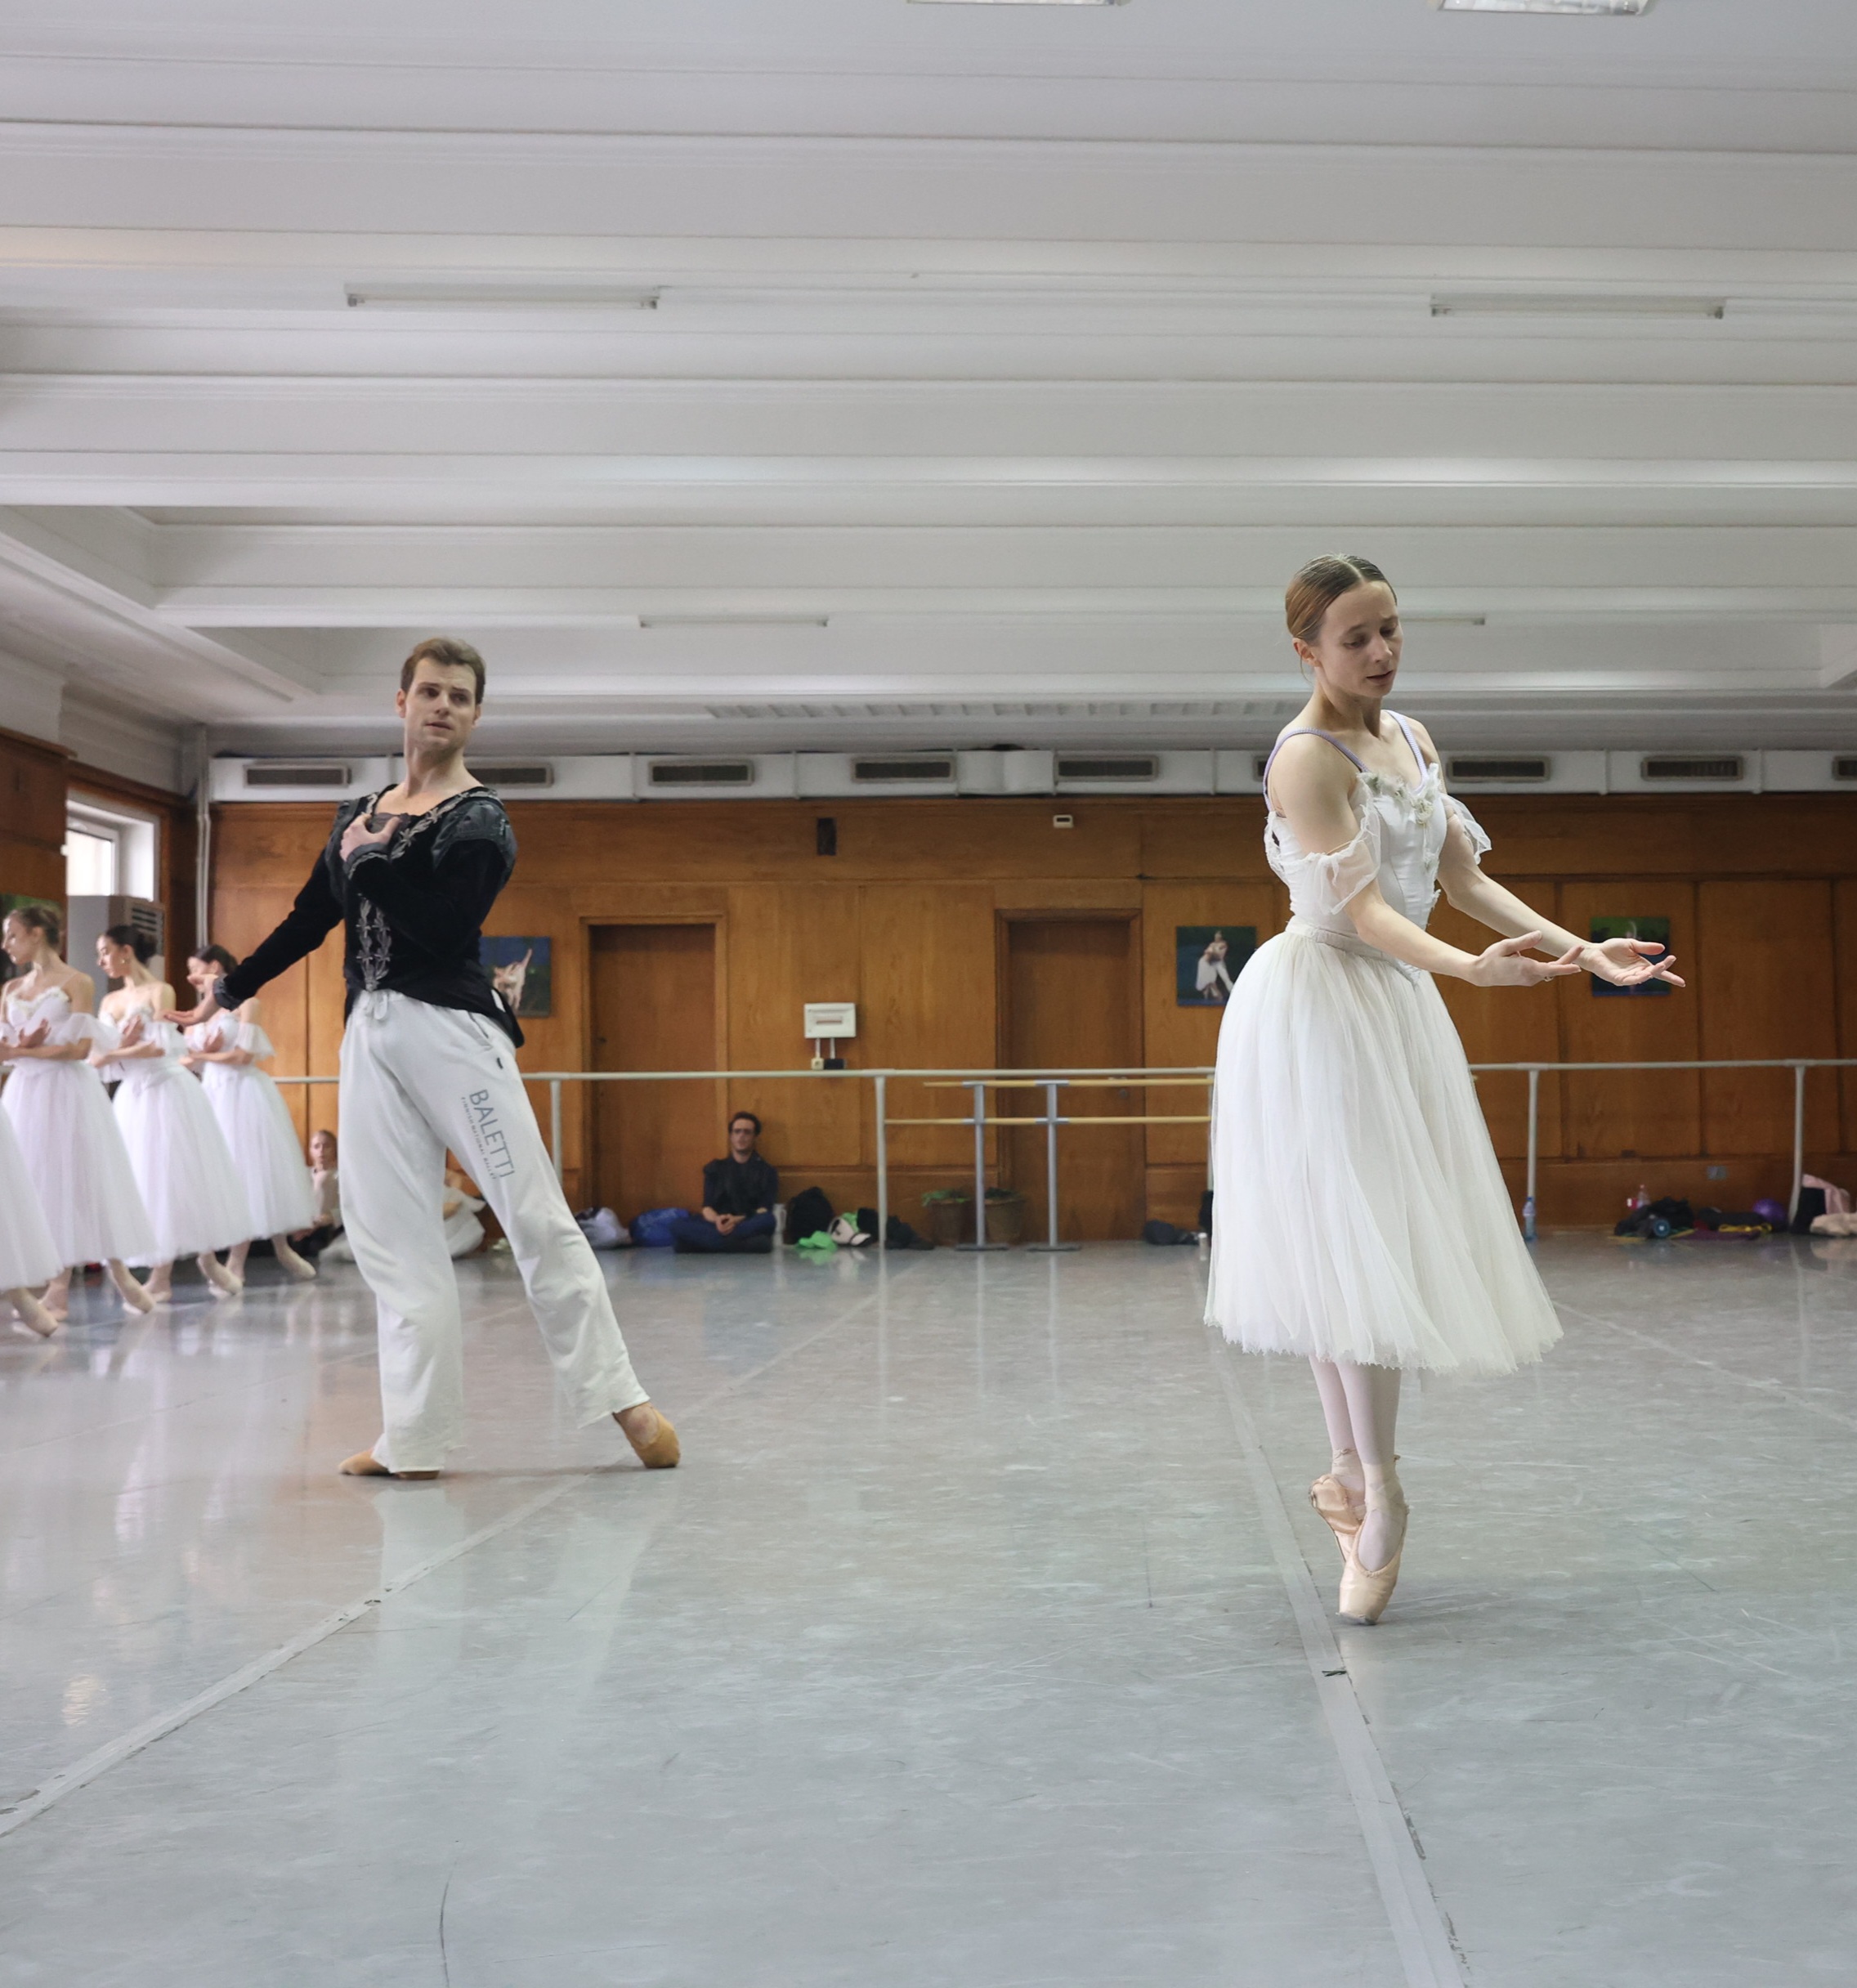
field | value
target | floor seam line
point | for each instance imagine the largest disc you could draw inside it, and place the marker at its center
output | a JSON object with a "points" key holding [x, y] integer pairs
{"points": [[1421, 1931], [138, 1739], [1774, 1389]]}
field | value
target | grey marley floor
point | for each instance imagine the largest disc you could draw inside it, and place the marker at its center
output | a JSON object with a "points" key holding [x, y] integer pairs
{"points": [[984, 1638]]}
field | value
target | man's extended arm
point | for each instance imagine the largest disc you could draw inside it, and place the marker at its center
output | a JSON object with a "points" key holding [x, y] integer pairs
{"points": [[311, 919]]}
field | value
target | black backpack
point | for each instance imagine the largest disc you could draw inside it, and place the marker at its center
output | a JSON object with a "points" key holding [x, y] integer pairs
{"points": [[807, 1214]]}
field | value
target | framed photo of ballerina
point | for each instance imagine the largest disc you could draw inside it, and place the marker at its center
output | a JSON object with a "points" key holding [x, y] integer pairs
{"points": [[16, 901], [521, 971], [1207, 961], [1656, 930]]}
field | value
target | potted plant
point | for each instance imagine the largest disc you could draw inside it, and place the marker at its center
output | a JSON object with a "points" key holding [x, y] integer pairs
{"points": [[948, 1212]]}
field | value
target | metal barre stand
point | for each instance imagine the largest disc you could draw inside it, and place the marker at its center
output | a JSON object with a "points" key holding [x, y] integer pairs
{"points": [[979, 1244], [1053, 1246]]}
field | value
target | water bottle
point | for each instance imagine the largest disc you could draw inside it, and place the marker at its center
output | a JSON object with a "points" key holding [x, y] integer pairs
{"points": [[1528, 1220]]}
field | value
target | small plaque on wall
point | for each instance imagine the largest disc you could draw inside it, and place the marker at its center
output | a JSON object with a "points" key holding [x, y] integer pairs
{"points": [[1655, 931], [1207, 961], [521, 971]]}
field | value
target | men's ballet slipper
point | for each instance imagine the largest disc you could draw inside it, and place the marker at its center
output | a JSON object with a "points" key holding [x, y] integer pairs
{"points": [[660, 1451], [365, 1463]]}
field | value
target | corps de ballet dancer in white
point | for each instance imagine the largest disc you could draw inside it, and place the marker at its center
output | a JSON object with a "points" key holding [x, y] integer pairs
{"points": [[196, 1201], [61, 1113], [28, 1255], [225, 1053], [1360, 1219], [428, 1062]]}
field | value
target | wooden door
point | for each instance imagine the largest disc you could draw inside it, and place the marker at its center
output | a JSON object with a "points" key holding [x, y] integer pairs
{"points": [[1072, 997], [654, 1008]]}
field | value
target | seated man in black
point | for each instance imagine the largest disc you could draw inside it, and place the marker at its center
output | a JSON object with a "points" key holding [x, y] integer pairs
{"points": [[739, 1193]]}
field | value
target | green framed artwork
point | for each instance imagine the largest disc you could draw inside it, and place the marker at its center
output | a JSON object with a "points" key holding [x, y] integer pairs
{"points": [[1207, 961], [1656, 930]]}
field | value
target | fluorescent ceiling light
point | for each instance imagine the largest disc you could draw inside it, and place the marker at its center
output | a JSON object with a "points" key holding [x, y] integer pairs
{"points": [[733, 621], [1028, 2], [1559, 303], [1544, 6], [497, 296]]}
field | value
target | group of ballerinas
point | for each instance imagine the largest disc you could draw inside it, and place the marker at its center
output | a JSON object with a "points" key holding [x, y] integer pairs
{"points": [[196, 1156]]}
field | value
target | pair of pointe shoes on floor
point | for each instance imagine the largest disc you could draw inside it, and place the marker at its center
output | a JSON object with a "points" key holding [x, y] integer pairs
{"points": [[655, 1442], [1365, 1591]]}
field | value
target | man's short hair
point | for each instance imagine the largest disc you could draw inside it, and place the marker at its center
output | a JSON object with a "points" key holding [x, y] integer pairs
{"points": [[735, 1118], [448, 651]]}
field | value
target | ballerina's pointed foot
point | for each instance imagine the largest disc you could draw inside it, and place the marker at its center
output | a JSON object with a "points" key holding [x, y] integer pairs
{"points": [[1340, 1506], [293, 1266], [649, 1432], [33, 1315], [135, 1295], [365, 1463], [225, 1284], [1366, 1591]]}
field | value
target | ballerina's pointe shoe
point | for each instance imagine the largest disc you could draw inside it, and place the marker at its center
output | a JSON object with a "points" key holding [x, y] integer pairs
{"points": [[136, 1298], [33, 1315], [1366, 1591], [1338, 1507], [293, 1266], [650, 1435], [364, 1463]]}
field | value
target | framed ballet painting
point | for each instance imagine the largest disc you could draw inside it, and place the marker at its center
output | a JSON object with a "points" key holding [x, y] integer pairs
{"points": [[521, 971], [1656, 930], [1207, 961]]}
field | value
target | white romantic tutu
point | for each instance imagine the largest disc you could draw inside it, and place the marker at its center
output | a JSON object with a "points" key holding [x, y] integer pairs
{"points": [[61, 1115], [258, 1129], [1359, 1212], [28, 1255], [195, 1197]]}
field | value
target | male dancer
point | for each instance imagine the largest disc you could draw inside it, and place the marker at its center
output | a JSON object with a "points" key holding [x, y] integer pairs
{"points": [[427, 1064]]}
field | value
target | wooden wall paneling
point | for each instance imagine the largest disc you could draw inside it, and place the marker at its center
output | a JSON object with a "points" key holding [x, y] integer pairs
{"points": [[788, 944], [33, 777], [1072, 997], [1632, 1114], [1506, 1025], [1844, 902], [1217, 839], [654, 1008], [930, 1002], [1768, 987], [1179, 1035]]}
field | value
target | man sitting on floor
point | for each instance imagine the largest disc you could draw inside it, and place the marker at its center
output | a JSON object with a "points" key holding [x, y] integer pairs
{"points": [[739, 1193]]}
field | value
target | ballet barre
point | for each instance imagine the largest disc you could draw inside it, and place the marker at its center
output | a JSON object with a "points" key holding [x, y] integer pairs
{"points": [[1051, 1081]]}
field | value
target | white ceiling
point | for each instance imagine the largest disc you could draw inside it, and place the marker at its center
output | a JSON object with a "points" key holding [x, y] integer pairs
{"points": [[1026, 348]]}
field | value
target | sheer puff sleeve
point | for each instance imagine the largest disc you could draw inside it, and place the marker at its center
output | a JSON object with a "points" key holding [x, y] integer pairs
{"points": [[1335, 881], [1472, 828]]}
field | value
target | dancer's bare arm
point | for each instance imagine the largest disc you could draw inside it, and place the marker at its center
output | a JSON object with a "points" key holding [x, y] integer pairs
{"points": [[1625, 962], [1313, 785]]}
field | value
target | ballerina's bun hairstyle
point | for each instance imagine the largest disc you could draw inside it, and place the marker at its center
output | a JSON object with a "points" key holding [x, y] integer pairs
{"points": [[214, 956], [1316, 589], [43, 920], [449, 653], [138, 943]]}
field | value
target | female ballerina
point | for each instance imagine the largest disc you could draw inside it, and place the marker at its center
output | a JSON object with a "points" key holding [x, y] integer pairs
{"points": [[60, 1114], [1361, 1218], [254, 1118], [28, 1255], [196, 1201]]}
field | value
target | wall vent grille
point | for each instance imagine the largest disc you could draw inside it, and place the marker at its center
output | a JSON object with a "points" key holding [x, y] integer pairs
{"points": [[1473, 768], [702, 773], [296, 773], [1844, 766], [880, 771], [1124, 766], [1672, 766], [529, 773]]}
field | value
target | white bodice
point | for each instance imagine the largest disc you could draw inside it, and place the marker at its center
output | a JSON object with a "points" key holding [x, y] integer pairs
{"points": [[226, 1031], [1399, 842], [52, 1006]]}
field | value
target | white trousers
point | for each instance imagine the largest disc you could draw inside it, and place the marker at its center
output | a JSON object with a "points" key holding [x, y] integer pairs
{"points": [[415, 1080]]}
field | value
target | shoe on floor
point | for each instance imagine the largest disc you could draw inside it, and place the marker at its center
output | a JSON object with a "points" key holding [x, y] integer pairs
{"points": [[661, 1451], [364, 1463]]}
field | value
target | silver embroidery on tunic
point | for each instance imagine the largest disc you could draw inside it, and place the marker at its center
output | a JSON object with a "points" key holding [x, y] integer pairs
{"points": [[374, 934]]}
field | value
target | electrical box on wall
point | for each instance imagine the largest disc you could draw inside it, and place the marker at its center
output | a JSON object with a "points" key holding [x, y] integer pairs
{"points": [[831, 1021]]}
